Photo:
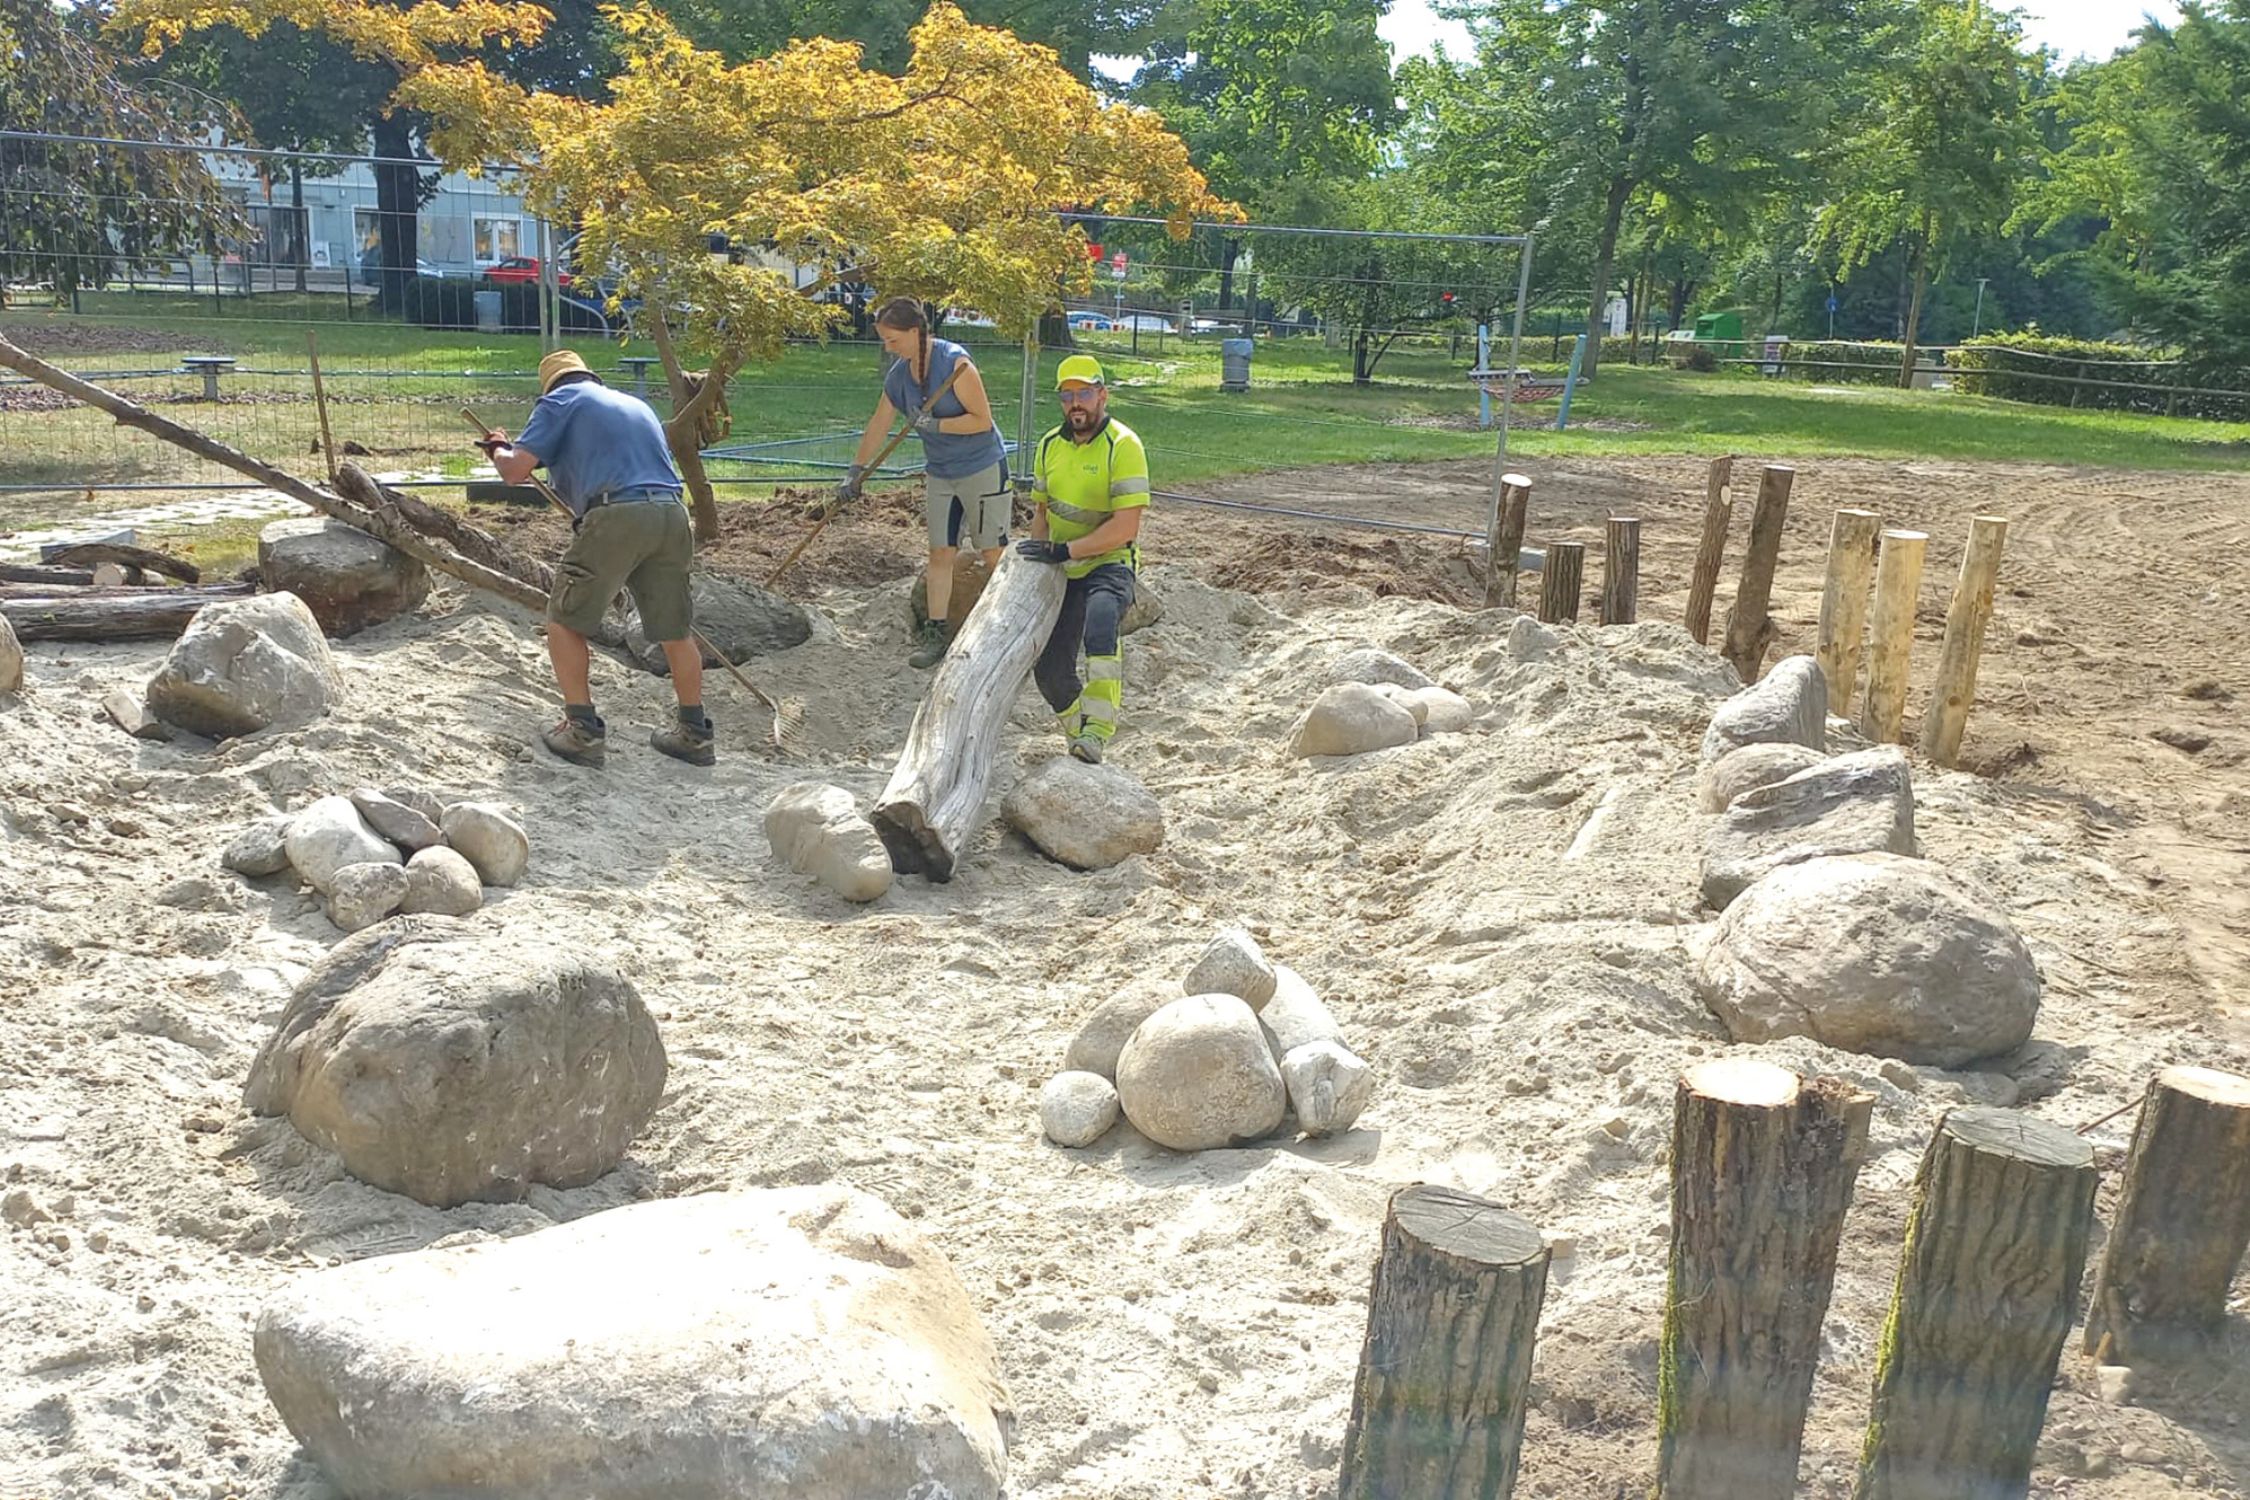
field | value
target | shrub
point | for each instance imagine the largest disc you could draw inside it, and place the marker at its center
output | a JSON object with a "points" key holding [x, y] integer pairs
{"points": [[2020, 367]]}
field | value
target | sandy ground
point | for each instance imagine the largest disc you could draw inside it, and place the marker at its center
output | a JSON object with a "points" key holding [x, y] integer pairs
{"points": [[1504, 921]]}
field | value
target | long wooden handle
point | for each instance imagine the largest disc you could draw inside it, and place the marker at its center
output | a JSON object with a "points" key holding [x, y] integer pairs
{"points": [[884, 452]]}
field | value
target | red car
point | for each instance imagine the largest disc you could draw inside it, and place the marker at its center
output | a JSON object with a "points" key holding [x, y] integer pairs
{"points": [[523, 269]]}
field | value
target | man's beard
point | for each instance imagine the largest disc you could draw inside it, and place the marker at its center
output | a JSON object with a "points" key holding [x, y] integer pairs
{"points": [[1082, 417]]}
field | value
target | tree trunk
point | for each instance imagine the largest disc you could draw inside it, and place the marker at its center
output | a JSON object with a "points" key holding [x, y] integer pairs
{"points": [[398, 203], [1919, 274], [1762, 1170], [935, 801], [51, 577], [1987, 1283], [2182, 1221], [1605, 256], [112, 615], [1230, 249], [92, 554], [1360, 373], [1749, 627], [302, 235], [1445, 1373], [683, 429]]}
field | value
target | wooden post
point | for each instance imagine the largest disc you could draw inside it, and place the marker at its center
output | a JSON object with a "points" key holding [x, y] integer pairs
{"points": [[2182, 1222], [935, 801], [1445, 1373], [1621, 570], [1987, 1284], [1955, 691], [1718, 514], [1504, 547], [320, 404], [1749, 631], [1843, 605], [1559, 580], [1763, 1164], [1898, 584]]}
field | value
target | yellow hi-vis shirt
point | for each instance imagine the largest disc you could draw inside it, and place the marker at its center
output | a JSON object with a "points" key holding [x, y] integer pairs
{"points": [[1083, 484]]}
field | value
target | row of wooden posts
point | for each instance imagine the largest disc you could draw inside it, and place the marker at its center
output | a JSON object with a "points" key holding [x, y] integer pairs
{"points": [[1860, 554], [1763, 1167]]}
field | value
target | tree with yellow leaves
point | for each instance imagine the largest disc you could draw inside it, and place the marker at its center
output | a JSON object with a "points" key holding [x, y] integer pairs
{"points": [[942, 183]]}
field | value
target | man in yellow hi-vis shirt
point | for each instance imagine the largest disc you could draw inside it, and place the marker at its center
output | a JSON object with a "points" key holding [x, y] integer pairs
{"points": [[1089, 484]]}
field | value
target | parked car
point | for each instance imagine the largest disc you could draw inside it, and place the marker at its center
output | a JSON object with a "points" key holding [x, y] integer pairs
{"points": [[1143, 323], [371, 266], [1091, 322], [1210, 325], [520, 269]]}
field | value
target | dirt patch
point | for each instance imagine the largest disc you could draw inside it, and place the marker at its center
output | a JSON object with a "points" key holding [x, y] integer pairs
{"points": [[59, 334]]}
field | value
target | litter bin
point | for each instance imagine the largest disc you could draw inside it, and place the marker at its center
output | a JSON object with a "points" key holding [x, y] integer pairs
{"points": [[488, 312], [1777, 354], [1234, 364]]}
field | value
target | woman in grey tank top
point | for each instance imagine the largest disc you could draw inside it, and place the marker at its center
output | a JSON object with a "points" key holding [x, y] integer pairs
{"points": [[966, 496]]}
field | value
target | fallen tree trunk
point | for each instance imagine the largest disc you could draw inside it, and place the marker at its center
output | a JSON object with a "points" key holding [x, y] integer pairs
{"points": [[56, 577], [935, 801], [143, 559], [111, 615], [385, 522], [121, 590]]}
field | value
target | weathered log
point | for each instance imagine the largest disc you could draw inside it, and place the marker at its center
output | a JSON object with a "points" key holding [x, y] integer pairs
{"points": [[1987, 1284], [1763, 1165], [1561, 577], [385, 524], [1621, 570], [1718, 514], [463, 536], [1898, 583], [1504, 543], [1955, 691], [935, 801], [1750, 629], [120, 615], [120, 590], [88, 554], [1843, 605], [55, 577], [1445, 1372], [2182, 1222]]}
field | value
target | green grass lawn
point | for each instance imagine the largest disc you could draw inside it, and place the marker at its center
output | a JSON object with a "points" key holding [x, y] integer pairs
{"points": [[396, 391]]}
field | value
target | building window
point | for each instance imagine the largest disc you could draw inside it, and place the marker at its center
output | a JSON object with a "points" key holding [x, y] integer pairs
{"points": [[496, 240]]}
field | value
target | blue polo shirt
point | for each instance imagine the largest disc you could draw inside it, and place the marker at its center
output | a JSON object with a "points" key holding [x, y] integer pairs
{"points": [[596, 441]]}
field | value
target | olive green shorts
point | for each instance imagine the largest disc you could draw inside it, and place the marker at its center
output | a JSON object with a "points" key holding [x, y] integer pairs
{"points": [[644, 546]]}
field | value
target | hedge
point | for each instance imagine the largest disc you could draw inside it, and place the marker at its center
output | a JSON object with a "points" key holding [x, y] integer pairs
{"points": [[2010, 366]]}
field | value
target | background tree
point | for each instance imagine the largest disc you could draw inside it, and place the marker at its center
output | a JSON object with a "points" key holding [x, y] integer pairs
{"points": [[82, 215], [942, 182], [1941, 149]]}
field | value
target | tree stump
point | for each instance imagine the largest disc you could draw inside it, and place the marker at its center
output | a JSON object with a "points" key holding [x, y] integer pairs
{"points": [[1763, 1165], [1504, 549], [1718, 514], [2182, 1222], [1749, 628], [1560, 579], [935, 801], [1621, 570], [1987, 1284], [1843, 605], [1445, 1374]]}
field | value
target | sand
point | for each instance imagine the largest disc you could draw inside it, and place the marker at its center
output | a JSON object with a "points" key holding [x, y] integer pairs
{"points": [[1504, 921]]}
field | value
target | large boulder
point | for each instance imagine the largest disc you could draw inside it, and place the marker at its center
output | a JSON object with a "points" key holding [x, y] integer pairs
{"points": [[1295, 1015], [1789, 706], [1088, 817], [1749, 767], [328, 836], [1872, 953], [1077, 1109], [803, 1342], [243, 665], [348, 579], [450, 1064], [1103, 1035], [1145, 610], [11, 658], [818, 830], [1352, 718], [1862, 803], [1371, 666], [1440, 710], [489, 837], [1197, 1076], [736, 616], [1232, 964]]}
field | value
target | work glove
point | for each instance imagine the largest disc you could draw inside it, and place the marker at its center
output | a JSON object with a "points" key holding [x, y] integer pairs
{"points": [[1036, 550], [491, 440], [854, 479], [927, 424]]}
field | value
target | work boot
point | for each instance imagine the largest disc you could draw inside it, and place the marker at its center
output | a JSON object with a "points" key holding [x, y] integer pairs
{"points": [[694, 743], [1088, 748], [580, 743], [935, 638]]}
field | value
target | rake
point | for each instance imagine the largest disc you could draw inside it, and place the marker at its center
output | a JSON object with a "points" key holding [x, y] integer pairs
{"points": [[912, 421], [788, 714]]}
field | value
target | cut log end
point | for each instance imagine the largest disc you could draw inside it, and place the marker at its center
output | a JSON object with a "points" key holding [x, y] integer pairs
{"points": [[2208, 1084], [1745, 1081], [1466, 1228], [2006, 1132], [914, 846]]}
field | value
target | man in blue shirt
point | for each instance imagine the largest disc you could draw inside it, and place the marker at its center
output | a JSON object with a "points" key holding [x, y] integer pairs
{"points": [[608, 460]]}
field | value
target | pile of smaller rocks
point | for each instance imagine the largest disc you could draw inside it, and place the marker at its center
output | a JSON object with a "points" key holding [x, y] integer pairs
{"points": [[1240, 1048], [376, 853], [1374, 701]]}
